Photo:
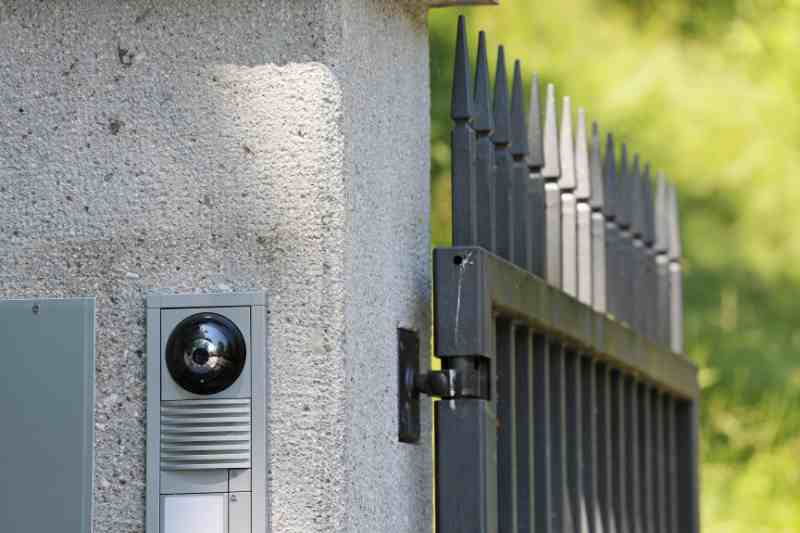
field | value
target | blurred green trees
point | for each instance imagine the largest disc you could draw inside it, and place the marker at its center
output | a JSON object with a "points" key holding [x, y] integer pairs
{"points": [[706, 90]]}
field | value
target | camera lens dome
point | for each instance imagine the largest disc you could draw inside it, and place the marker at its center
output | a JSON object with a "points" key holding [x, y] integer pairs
{"points": [[206, 353]]}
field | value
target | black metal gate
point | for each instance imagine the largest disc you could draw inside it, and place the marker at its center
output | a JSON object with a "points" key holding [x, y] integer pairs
{"points": [[566, 403]]}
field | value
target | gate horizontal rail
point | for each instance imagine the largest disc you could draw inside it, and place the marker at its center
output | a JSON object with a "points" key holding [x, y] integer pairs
{"points": [[474, 286], [559, 325]]}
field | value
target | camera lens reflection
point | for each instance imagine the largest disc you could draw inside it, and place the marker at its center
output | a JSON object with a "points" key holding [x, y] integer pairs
{"points": [[206, 353]]}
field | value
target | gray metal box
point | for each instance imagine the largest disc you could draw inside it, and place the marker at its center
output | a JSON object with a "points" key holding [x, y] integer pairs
{"points": [[47, 414]]}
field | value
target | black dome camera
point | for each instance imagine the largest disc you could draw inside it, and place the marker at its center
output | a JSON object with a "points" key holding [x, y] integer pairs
{"points": [[206, 353]]}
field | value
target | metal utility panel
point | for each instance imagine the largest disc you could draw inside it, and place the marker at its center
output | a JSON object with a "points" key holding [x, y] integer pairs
{"points": [[47, 414]]}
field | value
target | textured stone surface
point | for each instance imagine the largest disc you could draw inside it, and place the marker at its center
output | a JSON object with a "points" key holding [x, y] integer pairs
{"points": [[218, 146], [386, 135]]}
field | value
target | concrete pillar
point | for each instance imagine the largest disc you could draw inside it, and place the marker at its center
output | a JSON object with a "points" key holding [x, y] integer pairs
{"points": [[214, 145]]}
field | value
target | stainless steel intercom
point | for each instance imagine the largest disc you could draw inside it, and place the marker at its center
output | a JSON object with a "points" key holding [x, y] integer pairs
{"points": [[206, 413]]}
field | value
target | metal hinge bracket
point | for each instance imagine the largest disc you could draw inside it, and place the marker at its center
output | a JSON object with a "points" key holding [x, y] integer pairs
{"points": [[463, 377]]}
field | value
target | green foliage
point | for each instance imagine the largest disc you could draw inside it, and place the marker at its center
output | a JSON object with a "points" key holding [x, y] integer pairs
{"points": [[706, 91]]}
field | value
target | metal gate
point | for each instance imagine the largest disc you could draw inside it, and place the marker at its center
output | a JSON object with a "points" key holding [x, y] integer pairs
{"points": [[566, 402]]}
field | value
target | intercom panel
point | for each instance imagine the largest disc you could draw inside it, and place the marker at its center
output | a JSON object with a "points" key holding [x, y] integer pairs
{"points": [[207, 413]]}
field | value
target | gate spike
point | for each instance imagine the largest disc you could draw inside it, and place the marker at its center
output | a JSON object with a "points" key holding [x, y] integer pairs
{"points": [[519, 132], [552, 164], [635, 195], [536, 150], [461, 105], [621, 188], [483, 120], [501, 109], [596, 170], [583, 184], [634, 188], [662, 225], [648, 209], [675, 246], [610, 178], [567, 148]]}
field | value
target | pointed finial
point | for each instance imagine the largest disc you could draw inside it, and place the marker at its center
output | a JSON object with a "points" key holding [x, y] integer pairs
{"points": [[567, 144], [621, 188], [535, 147], [596, 170], [461, 105], [662, 223], [502, 117], [675, 247], [519, 132], [610, 177], [483, 120], [552, 163], [635, 198], [583, 184], [648, 209]]}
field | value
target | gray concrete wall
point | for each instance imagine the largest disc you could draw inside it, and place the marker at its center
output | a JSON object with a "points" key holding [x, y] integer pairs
{"points": [[233, 145], [388, 277]]}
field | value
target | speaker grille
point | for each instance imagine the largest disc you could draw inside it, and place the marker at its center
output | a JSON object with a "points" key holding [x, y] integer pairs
{"points": [[205, 434]]}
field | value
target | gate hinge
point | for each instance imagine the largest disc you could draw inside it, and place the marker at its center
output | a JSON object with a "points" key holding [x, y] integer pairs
{"points": [[463, 377]]}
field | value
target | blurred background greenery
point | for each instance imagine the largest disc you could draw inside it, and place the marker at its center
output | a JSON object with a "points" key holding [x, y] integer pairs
{"points": [[705, 90]]}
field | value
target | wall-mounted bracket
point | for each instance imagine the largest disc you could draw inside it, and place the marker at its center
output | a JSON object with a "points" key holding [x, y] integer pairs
{"points": [[464, 378]]}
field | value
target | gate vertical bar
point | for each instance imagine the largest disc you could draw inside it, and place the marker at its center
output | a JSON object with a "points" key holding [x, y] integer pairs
{"points": [[672, 465], [605, 458], [555, 401], [569, 230], [574, 449], [466, 475], [543, 459], [612, 230], [501, 136], [597, 201], [466, 501], [649, 237], [619, 439], [536, 195], [551, 173], [483, 124], [660, 481], [624, 243], [686, 425], [633, 484], [589, 445], [676, 273], [523, 239], [525, 428], [636, 282], [583, 212], [645, 459], [465, 229], [662, 262], [506, 426], [558, 435]]}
